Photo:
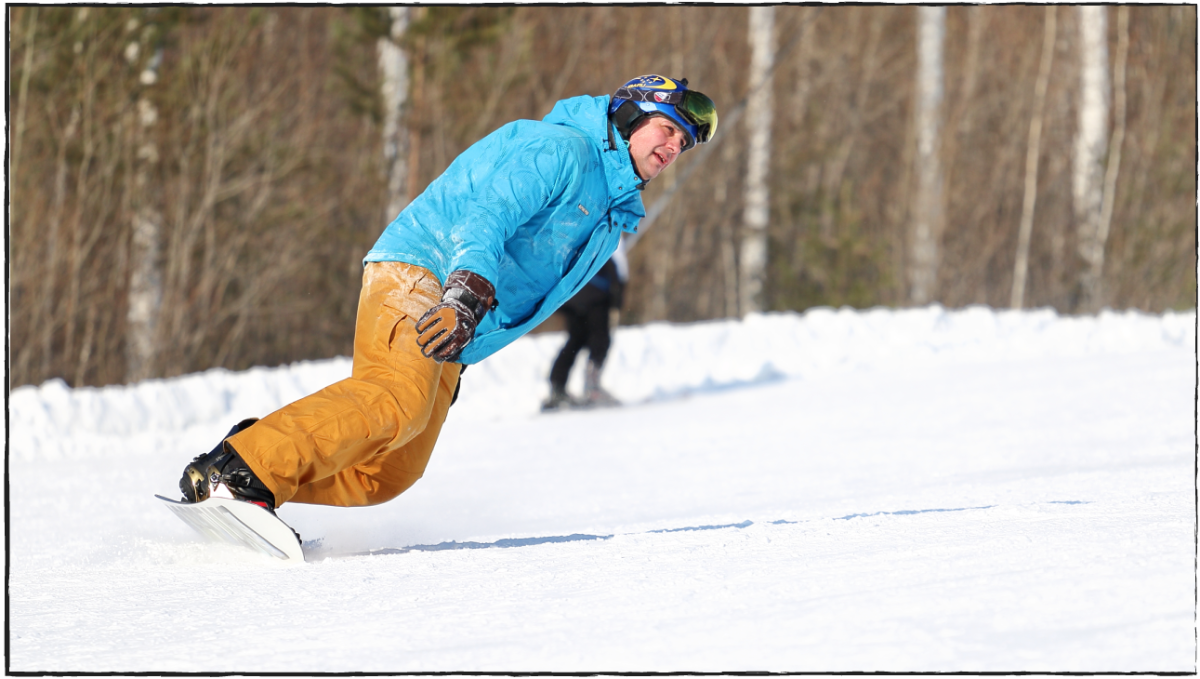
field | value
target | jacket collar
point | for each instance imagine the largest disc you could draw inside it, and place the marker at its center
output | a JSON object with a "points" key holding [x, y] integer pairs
{"points": [[590, 115]]}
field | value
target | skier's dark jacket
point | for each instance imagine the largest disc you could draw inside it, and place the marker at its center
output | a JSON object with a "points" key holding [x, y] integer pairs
{"points": [[605, 288], [537, 208]]}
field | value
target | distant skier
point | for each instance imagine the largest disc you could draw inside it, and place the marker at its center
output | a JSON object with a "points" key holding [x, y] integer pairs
{"points": [[514, 228], [588, 315]]}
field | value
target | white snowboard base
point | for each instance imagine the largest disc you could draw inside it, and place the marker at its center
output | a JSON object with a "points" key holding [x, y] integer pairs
{"points": [[239, 523]]}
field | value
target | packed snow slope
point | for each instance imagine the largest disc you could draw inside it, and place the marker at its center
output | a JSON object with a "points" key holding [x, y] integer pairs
{"points": [[908, 491]]}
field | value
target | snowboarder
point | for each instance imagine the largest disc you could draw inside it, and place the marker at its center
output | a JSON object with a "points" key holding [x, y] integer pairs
{"points": [[589, 318], [513, 228]]}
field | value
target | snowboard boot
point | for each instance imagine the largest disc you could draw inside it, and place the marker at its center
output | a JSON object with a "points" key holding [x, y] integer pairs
{"points": [[593, 393], [558, 400], [223, 465]]}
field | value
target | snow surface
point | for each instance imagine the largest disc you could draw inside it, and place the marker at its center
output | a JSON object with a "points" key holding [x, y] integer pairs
{"points": [[919, 490]]}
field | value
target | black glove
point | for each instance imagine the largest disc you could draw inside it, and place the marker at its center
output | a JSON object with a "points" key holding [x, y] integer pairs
{"points": [[446, 329]]}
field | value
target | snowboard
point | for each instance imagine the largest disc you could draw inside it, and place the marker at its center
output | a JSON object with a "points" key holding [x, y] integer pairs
{"points": [[239, 523]]}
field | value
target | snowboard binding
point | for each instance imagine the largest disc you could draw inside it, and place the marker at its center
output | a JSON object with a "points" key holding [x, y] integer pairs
{"points": [[223, 465]]}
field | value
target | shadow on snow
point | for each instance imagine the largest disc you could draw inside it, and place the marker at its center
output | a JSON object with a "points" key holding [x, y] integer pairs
{"points": [[584, 537]]}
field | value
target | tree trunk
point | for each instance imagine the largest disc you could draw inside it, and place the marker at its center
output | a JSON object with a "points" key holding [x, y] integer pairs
{"points": [[1088, 190], [145, 272], [393, 64], [756, 212], [1032, 152], [1114, 157], [928, 208]]}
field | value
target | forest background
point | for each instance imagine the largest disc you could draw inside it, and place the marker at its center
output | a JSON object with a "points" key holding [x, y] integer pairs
{"points": [[196, 186]]}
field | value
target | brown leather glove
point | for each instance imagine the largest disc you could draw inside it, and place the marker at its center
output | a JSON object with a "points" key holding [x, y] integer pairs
{"points": [[446, 329]]}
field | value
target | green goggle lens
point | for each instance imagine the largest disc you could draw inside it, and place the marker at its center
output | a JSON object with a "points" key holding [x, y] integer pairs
{"points": [[699, 110]]}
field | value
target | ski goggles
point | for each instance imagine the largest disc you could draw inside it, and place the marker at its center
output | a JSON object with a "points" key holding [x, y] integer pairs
{"points": [[695, 108]]}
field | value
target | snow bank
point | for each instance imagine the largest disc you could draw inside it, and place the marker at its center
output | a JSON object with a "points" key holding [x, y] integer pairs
{"points": [[653, 362]]}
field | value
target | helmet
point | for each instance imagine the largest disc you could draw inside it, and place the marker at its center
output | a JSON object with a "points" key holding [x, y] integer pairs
{"points": [[651, 95]]}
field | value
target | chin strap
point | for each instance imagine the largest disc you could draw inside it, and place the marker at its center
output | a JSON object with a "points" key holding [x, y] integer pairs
{"points": [[623, 119]]}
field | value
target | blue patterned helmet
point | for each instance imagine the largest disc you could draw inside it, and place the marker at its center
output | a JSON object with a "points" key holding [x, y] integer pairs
{"points": [[650, 95]]}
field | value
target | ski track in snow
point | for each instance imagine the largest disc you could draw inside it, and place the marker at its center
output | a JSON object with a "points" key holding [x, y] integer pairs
{"points": [[909, 491]]}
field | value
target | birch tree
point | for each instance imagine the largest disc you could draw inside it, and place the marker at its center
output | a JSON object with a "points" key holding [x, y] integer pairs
{"points": [[1090, 138], [1032, 152], [393, 65], [1114, 154], [928, 206], [756, 211], [145, 272]]}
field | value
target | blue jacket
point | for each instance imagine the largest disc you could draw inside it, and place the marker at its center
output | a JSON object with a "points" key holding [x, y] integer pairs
{"points": [[536, 208]]}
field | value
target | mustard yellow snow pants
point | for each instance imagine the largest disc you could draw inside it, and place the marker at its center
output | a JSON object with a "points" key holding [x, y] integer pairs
{"points": [[366, 439]]}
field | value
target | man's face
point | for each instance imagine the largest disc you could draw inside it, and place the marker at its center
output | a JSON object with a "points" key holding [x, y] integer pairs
{"points": [[654, 145]]}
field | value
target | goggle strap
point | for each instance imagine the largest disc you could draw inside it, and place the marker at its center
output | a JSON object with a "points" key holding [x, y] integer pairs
{"points": [[652, 96]]}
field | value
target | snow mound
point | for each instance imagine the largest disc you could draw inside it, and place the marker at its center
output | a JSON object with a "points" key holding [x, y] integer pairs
{"points": [[654, 362]]}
